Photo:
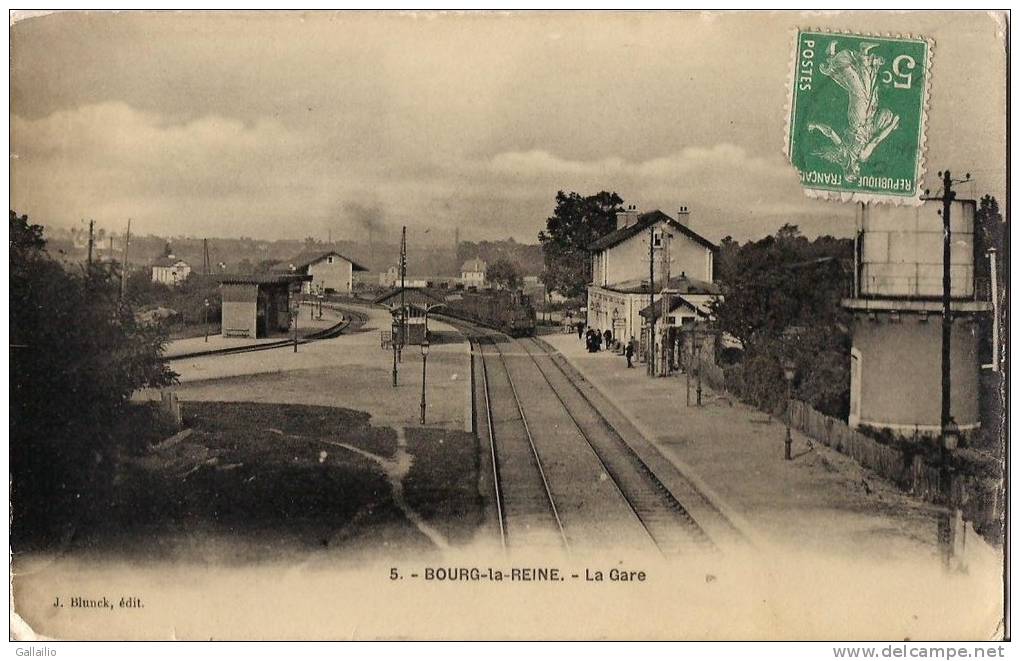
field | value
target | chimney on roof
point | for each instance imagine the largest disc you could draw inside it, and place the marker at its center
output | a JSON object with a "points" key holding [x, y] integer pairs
{"points": [[683, 216], [627, 217]]}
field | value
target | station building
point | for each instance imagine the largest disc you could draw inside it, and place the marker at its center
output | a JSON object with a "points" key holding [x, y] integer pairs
{"points": [[620, 287], [257, 306], [896, 303], [329, 272]]}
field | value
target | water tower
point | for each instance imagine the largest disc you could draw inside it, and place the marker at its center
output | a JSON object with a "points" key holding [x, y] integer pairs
{"points": [[896, 303]]}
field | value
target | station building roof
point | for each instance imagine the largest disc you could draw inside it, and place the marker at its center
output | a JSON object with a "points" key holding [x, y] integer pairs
{"points": [[645, 221], [168, 260], [416, 297], [675, 303], [681, 284], [474, 265], [305, 259], [263, 279]]}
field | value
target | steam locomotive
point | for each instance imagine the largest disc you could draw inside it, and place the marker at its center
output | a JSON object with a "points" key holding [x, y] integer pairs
{"points": [[509, 312]]}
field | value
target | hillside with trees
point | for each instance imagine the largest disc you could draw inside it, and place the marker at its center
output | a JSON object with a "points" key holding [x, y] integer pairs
{"points": [[527, 257]]}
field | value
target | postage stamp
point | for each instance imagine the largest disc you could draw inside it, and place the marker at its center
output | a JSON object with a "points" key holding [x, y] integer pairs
{"points": [[857, 111]]}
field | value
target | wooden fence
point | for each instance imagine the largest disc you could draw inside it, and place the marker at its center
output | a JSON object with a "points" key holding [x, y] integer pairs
{"points": [[978, 497]]}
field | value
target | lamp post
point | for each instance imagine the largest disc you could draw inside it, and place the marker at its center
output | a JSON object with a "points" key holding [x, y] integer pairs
{"points": [[689, 361], [697, 364], [207, 320], [424, 363], [394, 335], [294, 313], [789, 371], [425, 353]]}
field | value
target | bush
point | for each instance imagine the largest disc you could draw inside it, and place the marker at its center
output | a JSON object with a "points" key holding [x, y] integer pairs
{"points": [[77, 354]]}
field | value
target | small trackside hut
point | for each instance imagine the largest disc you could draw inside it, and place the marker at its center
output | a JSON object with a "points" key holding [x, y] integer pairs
{"points": [[258, 306]]}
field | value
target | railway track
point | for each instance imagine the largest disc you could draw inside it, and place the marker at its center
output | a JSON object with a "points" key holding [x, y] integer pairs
{"points": [[663, 517], [526, 510], [520, 474], [353, 320]]}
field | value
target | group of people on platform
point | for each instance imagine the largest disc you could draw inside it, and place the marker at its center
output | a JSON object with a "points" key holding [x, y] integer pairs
{"points": [[594, 340]]}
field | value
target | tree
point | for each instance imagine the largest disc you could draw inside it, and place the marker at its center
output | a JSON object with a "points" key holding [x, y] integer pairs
{"points": [[725, 261], [505, 274], [76, 356], [576, 222], [266, 265], [781, 299], [989, 232]]}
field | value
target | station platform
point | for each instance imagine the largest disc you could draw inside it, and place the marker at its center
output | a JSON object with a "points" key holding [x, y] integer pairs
{"points": [[308, 322], [820, 502]]}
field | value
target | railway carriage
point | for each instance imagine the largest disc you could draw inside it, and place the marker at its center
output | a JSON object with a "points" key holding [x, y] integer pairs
{"points": [[509, 312]]}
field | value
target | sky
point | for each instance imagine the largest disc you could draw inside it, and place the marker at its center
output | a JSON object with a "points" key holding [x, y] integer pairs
{"points": [[287, 125]]}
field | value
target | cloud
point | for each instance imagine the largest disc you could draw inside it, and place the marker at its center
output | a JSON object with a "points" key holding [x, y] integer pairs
{"points": [[729, 190], [113, 160], [110, 161]]}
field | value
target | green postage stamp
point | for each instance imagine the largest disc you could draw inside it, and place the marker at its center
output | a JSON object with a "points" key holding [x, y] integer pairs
{"points": [[856, 124]]}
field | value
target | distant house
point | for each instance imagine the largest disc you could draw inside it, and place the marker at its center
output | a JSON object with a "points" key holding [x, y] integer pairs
{"points": [[472, 273], [620, 288], [331, 272], [170, 271], [391, 278]]}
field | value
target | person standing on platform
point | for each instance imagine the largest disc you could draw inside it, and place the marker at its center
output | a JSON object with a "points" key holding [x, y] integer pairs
{"points": [[629, 352]]}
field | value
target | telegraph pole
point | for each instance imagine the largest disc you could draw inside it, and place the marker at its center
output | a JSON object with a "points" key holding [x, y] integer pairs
{"points": [[949, 432], [948, 195], [947, 320], [124, 267], [651, 293], [403, 275], [667, 273], [92, 225]]}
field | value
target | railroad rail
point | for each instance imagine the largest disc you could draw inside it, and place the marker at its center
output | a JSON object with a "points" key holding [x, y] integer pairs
{"points": [[669, 509], [661, 514], [525, 505]]}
